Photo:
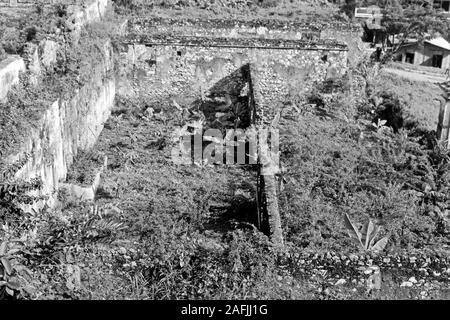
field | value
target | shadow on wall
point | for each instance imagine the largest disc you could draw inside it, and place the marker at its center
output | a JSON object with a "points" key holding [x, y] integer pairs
{"points": [[227, 104]]}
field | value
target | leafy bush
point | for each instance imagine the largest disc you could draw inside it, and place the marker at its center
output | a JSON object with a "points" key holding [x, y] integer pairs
{"points": [[13, 275], [14, 194], [391, 109], [349, 7], [11, 41]]}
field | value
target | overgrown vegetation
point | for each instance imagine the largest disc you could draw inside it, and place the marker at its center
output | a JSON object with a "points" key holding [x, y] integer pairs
{"points": [[402, 21], [76, 63], [418, 98], [292, 10], [350, 153], [30, 27], [14, 194], [161, 231], [366, 170]]}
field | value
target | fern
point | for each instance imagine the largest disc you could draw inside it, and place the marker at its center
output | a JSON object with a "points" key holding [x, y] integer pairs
{"points": [[15, 192]]}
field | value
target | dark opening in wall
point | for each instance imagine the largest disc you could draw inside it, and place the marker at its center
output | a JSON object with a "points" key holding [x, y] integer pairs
{"points": [[437, 60], [324, 58], [409, 57], [179, 53], [243, 211], [151, 62], [227, 103], [227, 106]]}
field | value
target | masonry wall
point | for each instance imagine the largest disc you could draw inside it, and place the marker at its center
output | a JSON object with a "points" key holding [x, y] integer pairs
{"points": [[22, 2], [352, 36], [225, 28], [164, 72], [268, 29], [19, 3], [66, 127], [349, 33]]}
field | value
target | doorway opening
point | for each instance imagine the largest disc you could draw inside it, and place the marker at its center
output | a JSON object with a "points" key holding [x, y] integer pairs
{"points": [[437, 60], [409, 57]]}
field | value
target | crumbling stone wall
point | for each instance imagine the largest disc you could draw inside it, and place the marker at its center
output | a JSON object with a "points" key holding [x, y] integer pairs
{"points": [[19, 3], [23, 2], [69, 124], [66, 127], [349, 34], [186, 68], [267, 29]]}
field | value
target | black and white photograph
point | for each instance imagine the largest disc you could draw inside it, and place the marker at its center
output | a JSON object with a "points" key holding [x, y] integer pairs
{"points": [[225, 155]]}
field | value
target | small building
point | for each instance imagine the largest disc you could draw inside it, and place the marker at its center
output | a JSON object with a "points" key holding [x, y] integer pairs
{"points": [[370, 18], [432, 53], [370, 15]]}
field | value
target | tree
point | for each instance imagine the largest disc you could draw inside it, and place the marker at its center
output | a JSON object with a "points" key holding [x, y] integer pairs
{"points": [[349, 7], [416, 20]]}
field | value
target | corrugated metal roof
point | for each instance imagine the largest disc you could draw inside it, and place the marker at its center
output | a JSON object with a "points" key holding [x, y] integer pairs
{"points": [[439, 42]]}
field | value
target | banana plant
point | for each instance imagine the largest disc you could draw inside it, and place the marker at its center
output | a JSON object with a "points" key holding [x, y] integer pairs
{"points": [[366, 237]]}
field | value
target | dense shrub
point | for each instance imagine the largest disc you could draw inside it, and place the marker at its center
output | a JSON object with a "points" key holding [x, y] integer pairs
{"points": [[388, 172], [349, 7], [37, 24], [390, 109], [290, 9], [12, 41]]}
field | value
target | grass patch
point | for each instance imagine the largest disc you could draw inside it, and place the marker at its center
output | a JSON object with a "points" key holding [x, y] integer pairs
{"points": [[422, 99]]}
